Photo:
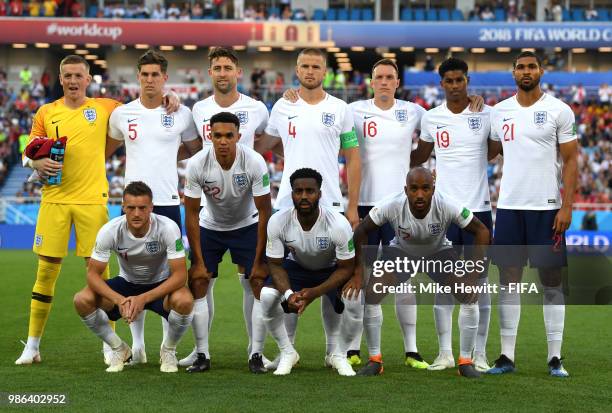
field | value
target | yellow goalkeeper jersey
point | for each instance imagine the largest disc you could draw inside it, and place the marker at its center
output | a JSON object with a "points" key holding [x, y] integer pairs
{"points": [[84, 172]]}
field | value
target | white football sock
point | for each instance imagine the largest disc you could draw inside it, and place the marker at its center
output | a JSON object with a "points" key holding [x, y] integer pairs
{"points": [[98, 323], [352, 323], [406, 312], [331, 325], [444, 304], [259, 329], [509, 317], [554, 319], [372, 322], [210, 301], [200, 325], [468, 327], [291, 321], [33, 343], [484, 309], [177, 325], [247, 309], [164, 328], [137, 330], [272, 315]]}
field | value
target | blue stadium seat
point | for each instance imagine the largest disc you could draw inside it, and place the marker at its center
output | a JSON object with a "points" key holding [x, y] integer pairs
{"points": [[355, 14], [274, 10], [443, 15], [343, 14], [500, 15], [406, 15], [566, 15], [419, 14], [318, 15], [367, 14], [578, 14], [457, 15], [302, 15], [331, 14], [431, 15], [603, 15]]}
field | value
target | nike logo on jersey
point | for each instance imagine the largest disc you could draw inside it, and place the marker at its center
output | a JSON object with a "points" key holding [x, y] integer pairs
{"points": [[290, 241], [132, 120], [205, 120], [291, 117], [53, 122], [121, 249], [209, 182], [507, 119], [440, 127], [368, 117]]}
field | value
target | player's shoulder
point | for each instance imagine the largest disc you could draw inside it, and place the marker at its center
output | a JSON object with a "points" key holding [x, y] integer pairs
{"points": [[204, 103], [113, 226], [334, 219], [280, 218], [164, 223], [248, 100], [108, 104], [508, 103], [249, 153], [183, 111], [360, 104], [405, 104], [332, 100], [550, 101]]}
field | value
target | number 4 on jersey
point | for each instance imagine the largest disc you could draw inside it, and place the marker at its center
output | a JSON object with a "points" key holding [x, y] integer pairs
{"points": [[292, 130]]}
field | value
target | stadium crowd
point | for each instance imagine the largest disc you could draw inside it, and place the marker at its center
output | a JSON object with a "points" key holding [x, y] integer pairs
{"points": [[593, 120]]}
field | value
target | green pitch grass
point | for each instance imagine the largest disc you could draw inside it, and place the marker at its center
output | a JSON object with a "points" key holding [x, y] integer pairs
{"points": [[72, 362]]}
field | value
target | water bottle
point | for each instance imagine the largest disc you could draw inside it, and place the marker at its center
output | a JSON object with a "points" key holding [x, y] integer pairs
{"points": [[56, 154]]}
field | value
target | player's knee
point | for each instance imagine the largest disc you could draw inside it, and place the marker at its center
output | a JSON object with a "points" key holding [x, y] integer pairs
{"points": [[353, 309], [52, 260], [84, 301], [550, 277], [509, 275], [181, 301]]}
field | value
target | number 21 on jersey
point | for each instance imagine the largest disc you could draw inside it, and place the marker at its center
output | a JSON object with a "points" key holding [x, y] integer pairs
{"points": [[508, 132]]}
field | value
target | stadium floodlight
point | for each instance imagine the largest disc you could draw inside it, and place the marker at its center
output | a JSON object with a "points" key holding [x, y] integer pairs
{"points": [[343, 60], [528, 49], [100, 62], [239, 47], [457, 49], [92, 45], [478, 50], [190, 47], [289, 48], [19, 45], [389, 55], [357, 49], [166, 48], [578, 50], [558, 49], [432, 50], [91, 56], [264, 49], [81, 51], [504, 49], [605, 49], [407, 49], [341, 54], [141, 46], [333, 49], [69, 46], [42, 45]]}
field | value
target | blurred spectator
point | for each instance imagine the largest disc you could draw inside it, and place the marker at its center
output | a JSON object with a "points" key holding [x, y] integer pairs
{"points": [[557, 12], [34, 8], [76, 9], [604, 94], [591, 14], [185, 12], [260, 13], [3, 9], [197, 11], [25, 77], [430, 95], [250, 13], [286, 13], [159, 12], [487, 14], [239, 9], [578, 94], [16, 8], [173, 12], [429, 64]]}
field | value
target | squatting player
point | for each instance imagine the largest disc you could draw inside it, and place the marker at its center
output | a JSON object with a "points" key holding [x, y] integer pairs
{"points": [[320, 261], [460, 139], [536, 131], [234, 179], [153, 139], [152, 276], [420, 217]]}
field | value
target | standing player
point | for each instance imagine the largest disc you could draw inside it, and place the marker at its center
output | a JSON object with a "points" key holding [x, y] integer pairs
{"points": [[535, 130], [152, 139], [81, 197], [420, 218], [320, 261], [152, 276], [384, 126], [460, 139], [224, 71], [234, 179], [313, 130]]}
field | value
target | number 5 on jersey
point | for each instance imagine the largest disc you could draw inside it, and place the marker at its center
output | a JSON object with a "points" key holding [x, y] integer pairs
{"points": [[132, 132]]}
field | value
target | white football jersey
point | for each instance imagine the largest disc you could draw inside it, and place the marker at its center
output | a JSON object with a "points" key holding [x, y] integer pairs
{"points": [[460, 144], [421, 237], [329, 239], [229, 193], [530, 136], [312, 136], [385, 142], [152, 139], [141, 260], [252, 113]]}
